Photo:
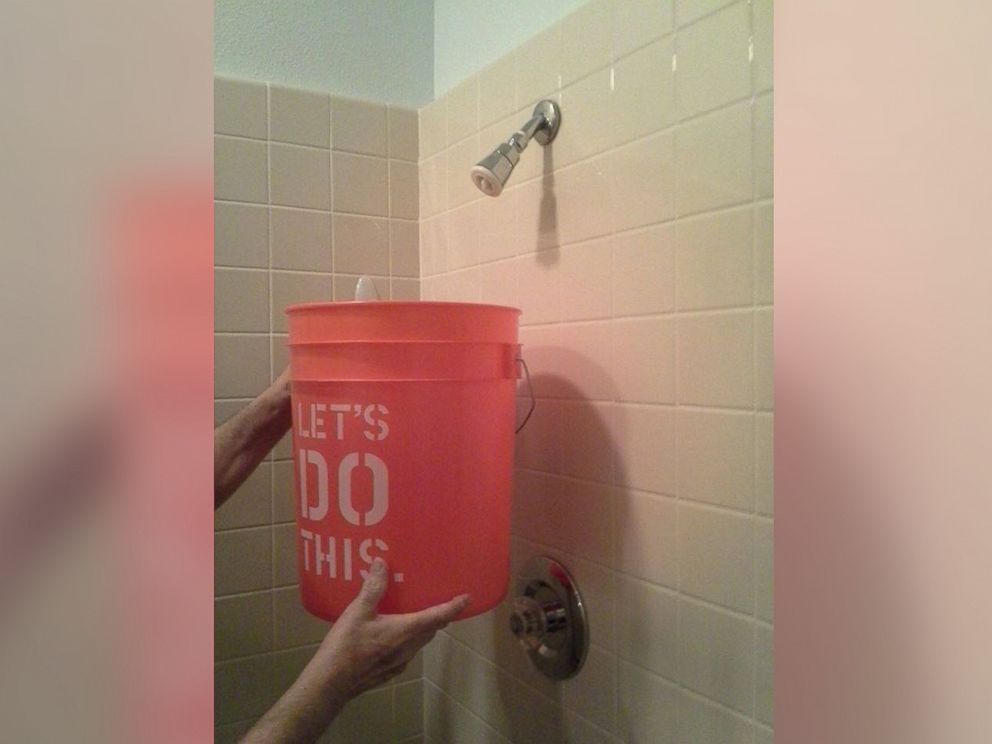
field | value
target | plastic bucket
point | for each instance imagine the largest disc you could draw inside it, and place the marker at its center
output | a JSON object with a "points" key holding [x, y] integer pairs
{"points": [[403, 418]]}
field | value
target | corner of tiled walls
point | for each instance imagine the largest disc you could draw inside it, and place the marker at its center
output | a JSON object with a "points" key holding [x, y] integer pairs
{"points": [[311, 191], [639, 246]]}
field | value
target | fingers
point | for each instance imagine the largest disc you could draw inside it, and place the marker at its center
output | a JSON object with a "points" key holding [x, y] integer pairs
{"points": [[436, 617], [374, 587]]}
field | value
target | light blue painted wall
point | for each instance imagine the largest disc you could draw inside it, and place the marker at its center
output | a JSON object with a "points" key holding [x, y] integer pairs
{"points": [[381, 50], [469, 34]]}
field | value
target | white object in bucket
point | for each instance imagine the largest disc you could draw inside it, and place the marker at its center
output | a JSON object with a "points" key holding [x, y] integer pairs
{"points": [[365, 290]]}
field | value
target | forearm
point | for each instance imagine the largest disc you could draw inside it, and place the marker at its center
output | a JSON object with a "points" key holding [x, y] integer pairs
{"points": [[243, 441]]}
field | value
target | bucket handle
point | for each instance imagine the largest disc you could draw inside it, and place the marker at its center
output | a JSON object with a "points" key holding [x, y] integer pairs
{"points": [[530, 389]]}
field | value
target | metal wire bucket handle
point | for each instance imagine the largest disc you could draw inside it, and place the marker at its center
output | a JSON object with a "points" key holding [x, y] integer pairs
{"points": [[530, 389]]}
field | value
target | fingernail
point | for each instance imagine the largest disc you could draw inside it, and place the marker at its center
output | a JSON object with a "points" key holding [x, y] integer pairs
{"points": [[464, 599], [378, 566]]}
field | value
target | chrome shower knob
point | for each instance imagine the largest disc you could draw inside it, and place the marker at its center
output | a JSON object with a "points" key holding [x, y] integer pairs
{"points": [[549, 619]]}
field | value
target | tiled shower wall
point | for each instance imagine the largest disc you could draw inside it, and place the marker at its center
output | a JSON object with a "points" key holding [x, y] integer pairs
{"points": [[639, 246], [311, 191]]}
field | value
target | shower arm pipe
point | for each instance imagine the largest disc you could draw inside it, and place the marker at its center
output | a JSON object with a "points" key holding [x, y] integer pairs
{"points": [[522, 136]]}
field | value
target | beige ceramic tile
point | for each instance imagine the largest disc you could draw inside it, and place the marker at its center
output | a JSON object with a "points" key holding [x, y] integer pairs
{"points": [[250, 506], [763, 735], [538, 63], [287, 666], [648, 707], [646, 539], [714, 260], [715, 458], [241, 235], [300, 117], [433, 191], [593, 693], [647, 628], [404, 196], [243, 689], [713, 160], [715, 358], [242, 625], [460, 159], [764, 384], [763, 255], [225, 409], [242, 560], [300, 176], [716, 550], [644, 353], [764, 677], [283, 494], [404, 289], [701, 720], [290, 288], [587, 39], [240, 108], [716, 654], [642, 179], [587, 357], [571, 515], [361, 245], [764, 463], [360, 184], [644, 92], [687, 11], [284, 569], [404, 248], [497, 90], [301, 240], [402, 134], [644, 442], [498, 284], [241, 300], [590, 129], [498, 227], [585, 280], [433, 127], [241, 366], [463, 110], [764, 568], [367, 719], [409, 713], [240, 170], [294, 626], [232, 733], [763, 171], [644, 271], [538, 208], [713, 64], [639, 22], [447, 720], [584, 201], [280, 354], [358, 126], [585, 439], [538, 445], [761, 15], [462, 236]]}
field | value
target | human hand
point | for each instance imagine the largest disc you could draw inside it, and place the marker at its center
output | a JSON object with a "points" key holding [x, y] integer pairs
{"points": [[365, 649]]}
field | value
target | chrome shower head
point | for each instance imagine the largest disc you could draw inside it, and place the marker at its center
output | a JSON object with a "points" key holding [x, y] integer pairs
{"points": [[491, 173]]}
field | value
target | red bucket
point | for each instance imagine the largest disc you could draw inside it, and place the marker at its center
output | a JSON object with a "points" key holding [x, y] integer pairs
{"points": [[403, 418]]}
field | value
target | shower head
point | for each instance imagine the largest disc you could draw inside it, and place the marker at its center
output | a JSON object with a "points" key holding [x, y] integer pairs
{"points": [[491, 173]]}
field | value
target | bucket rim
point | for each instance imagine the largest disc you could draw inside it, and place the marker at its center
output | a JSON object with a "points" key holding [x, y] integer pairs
{"points": [[392, 342], [391, 380], [299, 307]]}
